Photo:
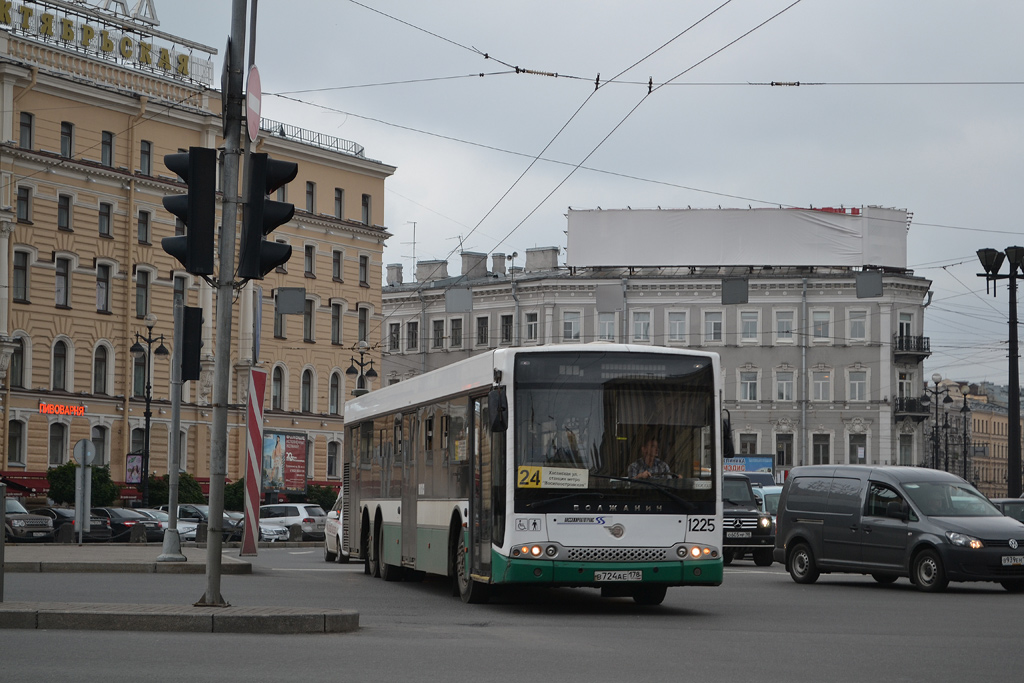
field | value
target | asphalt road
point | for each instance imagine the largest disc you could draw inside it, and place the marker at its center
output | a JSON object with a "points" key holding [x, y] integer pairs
{"points": [[758, 626]]}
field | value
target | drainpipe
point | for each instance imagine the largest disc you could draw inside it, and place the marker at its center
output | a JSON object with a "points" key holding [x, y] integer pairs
{"points": [[516, 336], [423, 332], [31, 84], [804, 383], [625, 311]]}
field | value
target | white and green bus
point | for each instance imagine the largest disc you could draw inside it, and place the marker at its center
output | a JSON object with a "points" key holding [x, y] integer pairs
{"points": [[527, 466]]}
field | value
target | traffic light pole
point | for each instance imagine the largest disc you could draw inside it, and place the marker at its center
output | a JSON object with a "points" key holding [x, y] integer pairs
{"points": [[225, 288]]}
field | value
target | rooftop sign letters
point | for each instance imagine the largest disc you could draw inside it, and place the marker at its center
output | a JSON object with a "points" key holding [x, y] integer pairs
{"points": [[111, 37]]}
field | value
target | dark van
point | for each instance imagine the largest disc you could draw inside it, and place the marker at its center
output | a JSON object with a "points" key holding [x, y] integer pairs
{"points": [[892, 522]]}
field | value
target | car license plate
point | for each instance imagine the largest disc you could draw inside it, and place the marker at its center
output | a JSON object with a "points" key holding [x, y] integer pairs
{"points": [[38, 533], [1012, 560], [319, 527], [737, 534], [629, 575]]}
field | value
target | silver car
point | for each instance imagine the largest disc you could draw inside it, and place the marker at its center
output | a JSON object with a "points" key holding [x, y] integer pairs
{"points": [[310, 517]]}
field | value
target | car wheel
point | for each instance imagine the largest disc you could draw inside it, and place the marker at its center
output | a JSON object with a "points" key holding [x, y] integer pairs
{"points": [[340, 557], [1013, 586], [650, 595], [763, 558], [928, 573], [727, 556], [801, 564], [884, 578], [472, 592], [328, 555]]}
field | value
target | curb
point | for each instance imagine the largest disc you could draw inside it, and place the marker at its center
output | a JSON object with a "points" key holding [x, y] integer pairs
{"points": [[124, 567]]}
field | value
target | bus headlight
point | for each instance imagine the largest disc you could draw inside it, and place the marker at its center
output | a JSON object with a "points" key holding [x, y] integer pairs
{"points": [[695, 552]]}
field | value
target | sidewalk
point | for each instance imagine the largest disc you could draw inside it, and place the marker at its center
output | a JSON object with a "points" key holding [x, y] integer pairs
{"points": [[142, 558]]}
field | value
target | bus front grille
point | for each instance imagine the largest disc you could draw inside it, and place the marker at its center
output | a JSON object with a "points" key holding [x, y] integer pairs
{"points": [[617, 554]]}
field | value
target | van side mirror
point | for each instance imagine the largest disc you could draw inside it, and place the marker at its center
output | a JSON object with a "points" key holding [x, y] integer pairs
{"points": [[897, 510], [497, 406]]}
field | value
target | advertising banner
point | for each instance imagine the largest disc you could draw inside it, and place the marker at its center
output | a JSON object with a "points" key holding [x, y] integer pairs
{"points": [[284, 462]]}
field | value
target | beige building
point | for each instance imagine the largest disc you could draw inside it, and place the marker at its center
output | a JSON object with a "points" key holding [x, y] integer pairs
{"points": [[84, 131]]}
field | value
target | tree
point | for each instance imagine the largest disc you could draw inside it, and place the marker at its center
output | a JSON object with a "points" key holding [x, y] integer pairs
{"points": [[62, 485], [234, 496], [324, 496], [189, 490]]}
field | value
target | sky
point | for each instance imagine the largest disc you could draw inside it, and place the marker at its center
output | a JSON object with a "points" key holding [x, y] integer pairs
{"points": [[917, 105]]}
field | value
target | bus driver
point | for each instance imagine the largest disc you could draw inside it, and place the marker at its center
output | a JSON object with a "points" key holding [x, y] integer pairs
{"points": [[649, 464]]}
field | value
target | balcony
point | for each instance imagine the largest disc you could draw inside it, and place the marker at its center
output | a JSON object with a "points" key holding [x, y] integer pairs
{"points": [[907, 349], [912, 408]]}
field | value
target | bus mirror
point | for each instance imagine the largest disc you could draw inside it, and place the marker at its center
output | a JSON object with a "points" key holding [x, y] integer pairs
{"points": [[728, 449], [497, 405]]}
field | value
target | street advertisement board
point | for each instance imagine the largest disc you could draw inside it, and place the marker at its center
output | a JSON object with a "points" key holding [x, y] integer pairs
{"points": [[284, 462]]}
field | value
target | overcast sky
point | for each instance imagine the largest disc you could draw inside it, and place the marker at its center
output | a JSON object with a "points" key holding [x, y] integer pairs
{"points": [[916, 104]]}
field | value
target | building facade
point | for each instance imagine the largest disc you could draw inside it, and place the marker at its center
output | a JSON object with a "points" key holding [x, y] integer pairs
{"points": [[89, 105], [813, 374]]}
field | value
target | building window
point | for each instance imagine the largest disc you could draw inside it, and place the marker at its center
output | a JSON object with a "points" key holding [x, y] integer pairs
{"points": [[62, 285], [784, 450], [339, 202], [138, 439], [366, 209], [532, 326], [99, 370], [438, 327], [713, 326], [858, 385], [306, 398], [144, 227], [277, 389], [309, 262], [107, 148], [58, 444], [506, 329], [412, 331], [99, 440], [25, 132], [335, 323], [364, 271], [138, 376], [334, 397], [16, 373], [19, 280], [677, 327], [858, 325], [821, 321], [784, 386], [310, 197], [606, 326], [906, 324], [146, 157], [571, 326], [282, 193], [821, 386], [15, 442], [906, 454], [364, 324], [307, 320], [483, 335], [820, 449], [103, 288], [337, 258], [279, 323], [784, 325], [748, 386], [24, 209], [104, 220], [60, 366], [456, 335], [67, 139], [333, 451], [748, 325], [748, 444], [141, 293], [858, 449], [394, 336], [641, 326]]}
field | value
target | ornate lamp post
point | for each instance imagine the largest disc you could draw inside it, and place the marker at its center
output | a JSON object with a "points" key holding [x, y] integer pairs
{"points": [[991, 262], [361, 389], [144, 353], [925, 400], [965, 415]]}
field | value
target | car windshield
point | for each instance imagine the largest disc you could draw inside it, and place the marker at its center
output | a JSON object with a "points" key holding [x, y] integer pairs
{"points": [[1015, 510], [949, 499], [315, 511], [771, 502], [736, 492], [13, 507], [127, 514], [159, 515]]}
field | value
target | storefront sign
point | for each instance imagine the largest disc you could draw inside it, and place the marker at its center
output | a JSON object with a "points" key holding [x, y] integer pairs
{"points": [[60, 409]]}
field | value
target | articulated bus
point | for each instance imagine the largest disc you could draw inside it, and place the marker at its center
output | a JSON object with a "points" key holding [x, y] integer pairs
{"points": [[527, 466]]}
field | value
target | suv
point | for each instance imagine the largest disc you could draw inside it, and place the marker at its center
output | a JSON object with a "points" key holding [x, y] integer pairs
{"points": [[20, 525], [747, 529], [309, 516]]}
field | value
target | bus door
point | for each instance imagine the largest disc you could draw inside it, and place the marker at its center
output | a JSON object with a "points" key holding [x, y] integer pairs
{"points": [[480, 492], [410, 487]]}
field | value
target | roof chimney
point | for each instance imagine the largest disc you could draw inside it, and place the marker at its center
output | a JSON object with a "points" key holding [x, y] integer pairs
{"points": [[498, 264], [428, 271], [394, 274], [474, 265], [541, 258]]}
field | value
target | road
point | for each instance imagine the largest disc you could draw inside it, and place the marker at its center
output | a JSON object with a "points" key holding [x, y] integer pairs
{"points": [[758, 626]]}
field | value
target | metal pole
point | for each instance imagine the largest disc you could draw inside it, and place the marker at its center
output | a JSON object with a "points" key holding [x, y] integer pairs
{"points": [[225, 288], [945, 429], [148, 414], [1013, 460], [935, 429], [172, 542], [3, 539], [965, 413]]}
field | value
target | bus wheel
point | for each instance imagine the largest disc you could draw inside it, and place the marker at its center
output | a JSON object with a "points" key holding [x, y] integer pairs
{"points": [[365, 547], [649, 595], [372, 549], [471, 592], [388, 572]]}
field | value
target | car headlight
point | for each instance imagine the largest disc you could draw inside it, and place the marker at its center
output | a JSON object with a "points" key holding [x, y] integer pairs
{"points": [[963, 540], [765, 522]]}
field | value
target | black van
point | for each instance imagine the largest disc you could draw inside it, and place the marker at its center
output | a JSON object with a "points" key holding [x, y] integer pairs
{"points": [[891, 522]]}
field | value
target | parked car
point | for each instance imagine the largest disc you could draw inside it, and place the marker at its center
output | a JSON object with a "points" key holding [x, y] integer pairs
{"points": [[123, 519], [1011, 507], [99, 527], [890, 522], [21, 525], [333, 532], [746, 528], [309, 516], [194, 514]]}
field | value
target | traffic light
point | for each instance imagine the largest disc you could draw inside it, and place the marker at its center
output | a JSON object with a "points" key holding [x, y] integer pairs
{"points": [[261, 216], [196, 209], [191, 342]]}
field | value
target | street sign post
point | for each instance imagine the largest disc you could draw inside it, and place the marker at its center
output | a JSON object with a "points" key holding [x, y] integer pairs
{"points": [[84, 455], [253, 95]]}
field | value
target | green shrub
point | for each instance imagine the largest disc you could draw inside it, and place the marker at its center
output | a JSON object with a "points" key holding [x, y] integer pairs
{"points": [[189, 490], [62, 485]]}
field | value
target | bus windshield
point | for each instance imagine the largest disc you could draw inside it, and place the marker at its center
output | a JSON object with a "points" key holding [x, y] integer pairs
{"points": [[614, 429]]}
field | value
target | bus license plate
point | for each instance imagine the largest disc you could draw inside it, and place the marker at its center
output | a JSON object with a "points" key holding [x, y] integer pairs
{"points": [[737, 534], [1012, 560], [631, 575]]}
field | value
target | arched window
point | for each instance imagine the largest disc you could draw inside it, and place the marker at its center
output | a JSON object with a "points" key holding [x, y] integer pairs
{"points": [[307, 391], [99, 440], [333, 449], [58, 444], [16, 373], [277, 389], [138, 440], [139, 375], [15, 442], [60, 366], [99, 371], [334, 399]]}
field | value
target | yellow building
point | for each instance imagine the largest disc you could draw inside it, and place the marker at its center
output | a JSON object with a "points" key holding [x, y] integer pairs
{"points": [[89, 105], [990, 446]]}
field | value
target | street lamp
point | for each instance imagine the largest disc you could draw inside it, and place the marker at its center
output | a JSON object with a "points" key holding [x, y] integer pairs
{"points": [[965, 415], [362, 376], [925, 400], [991, 262], [144, 353]]}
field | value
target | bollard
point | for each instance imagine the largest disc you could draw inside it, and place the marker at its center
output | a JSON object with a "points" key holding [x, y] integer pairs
{"points": [[295, 532], [201, 532], [138, 534], [65, 534]]}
